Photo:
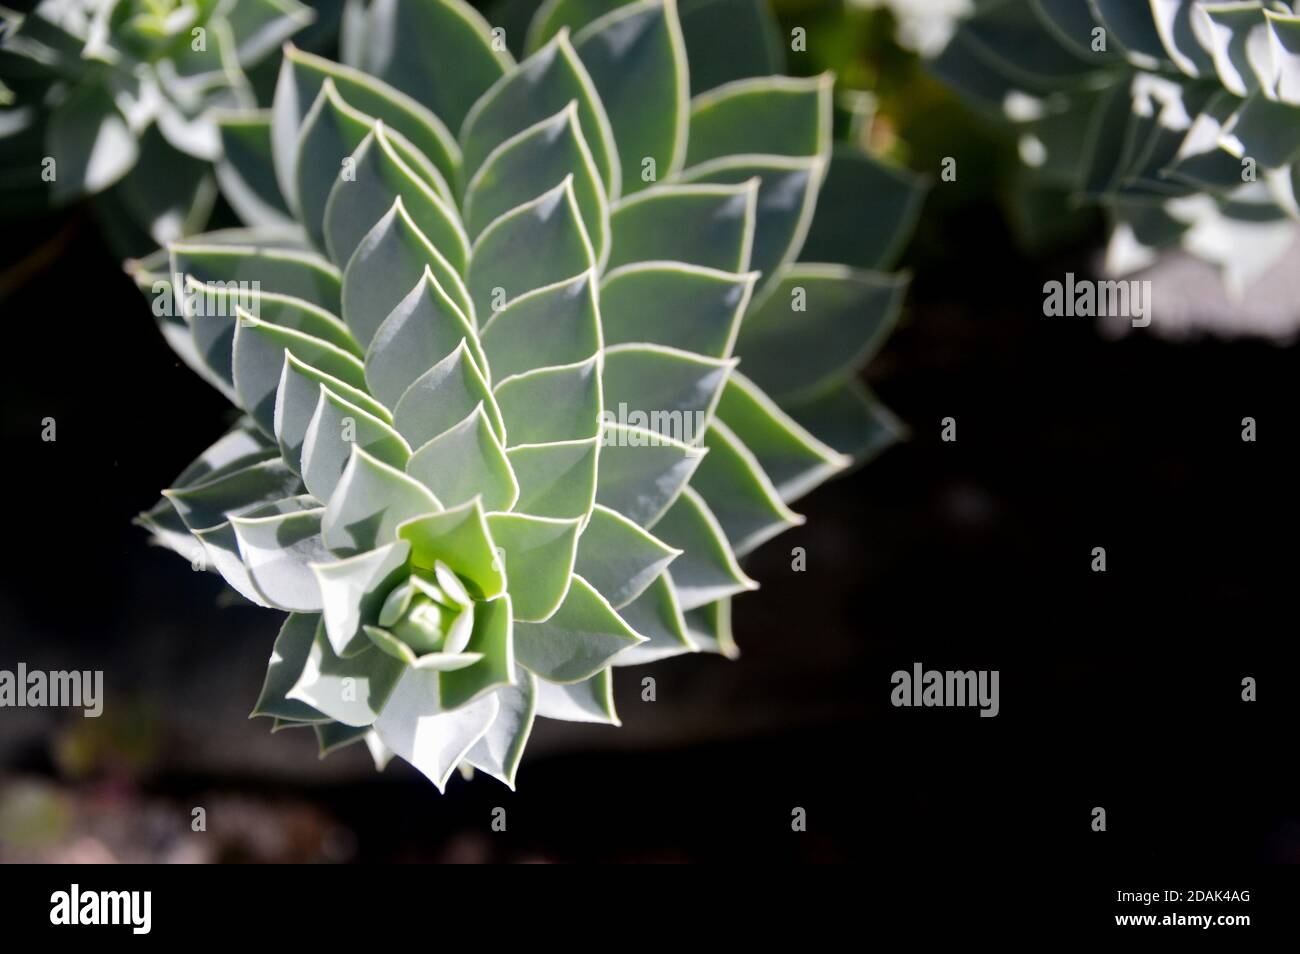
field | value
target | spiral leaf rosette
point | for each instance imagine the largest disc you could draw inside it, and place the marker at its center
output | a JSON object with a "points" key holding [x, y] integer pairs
{"points": [[497, 439], [126, 98], [1181, 118]]}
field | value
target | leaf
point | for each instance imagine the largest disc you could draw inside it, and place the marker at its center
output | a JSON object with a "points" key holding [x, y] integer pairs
{"points": [[332, 736], [1264, 130], [555, 480], [793, 458], [642, 471], [849, 419], [301, 315], [1237, 37], [220, 551], [787, 196], [439, 661], [754, 44], [424, 328], [636, 58], [259, 357], [547, 405], [465, 461], [440, 52], [208, 502], [353, 591], [492, 639], [534, 245], [539, 87], [301, 77], [391, 259], [287, 660], [676, 391], [498, 752], [709, 627], [1133, 28], [579, 640], [552, 16], [260, 26], [1025, 49], [862, 191], [554, 325], [676, 305], [821, 323], [349, 689], [335, 428], [770, 115], [277, 548], [246, 172], [370, 502], [442, 397], [415, 725], [537, 554], [330, 133], [240, 267], [707, 225], [1200, 161], [90, 143], [378, 175], [1178, 35], [458, 537], [591, 700], [657, 615], [534, 161], [242, 445], [619, 558], [295, 404], [1284, 34], [707, 569], [748, 508]]}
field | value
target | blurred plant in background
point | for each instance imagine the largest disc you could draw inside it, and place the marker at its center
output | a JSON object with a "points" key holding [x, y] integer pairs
{"points": [[1179, 119], [121, 100]]}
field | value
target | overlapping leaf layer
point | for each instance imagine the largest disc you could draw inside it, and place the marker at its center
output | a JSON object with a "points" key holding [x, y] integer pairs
{"points": [[1180, 117], [497, 438]]}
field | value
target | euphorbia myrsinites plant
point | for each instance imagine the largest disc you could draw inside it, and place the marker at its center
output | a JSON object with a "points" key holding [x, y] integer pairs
{"points": [[539, 363], [126, 100], [1180, 118]]}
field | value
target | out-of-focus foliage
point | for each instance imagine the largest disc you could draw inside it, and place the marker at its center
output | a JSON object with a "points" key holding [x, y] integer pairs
{"points": [[124, 99], [1179, 118]]}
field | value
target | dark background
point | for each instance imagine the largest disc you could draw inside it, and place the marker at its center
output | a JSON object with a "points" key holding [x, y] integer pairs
{"points": [[1119, 689]]}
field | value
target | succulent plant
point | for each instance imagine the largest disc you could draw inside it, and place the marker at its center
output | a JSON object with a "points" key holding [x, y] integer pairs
{"points": [[495, 438], [1180, 118], [123, 98]]}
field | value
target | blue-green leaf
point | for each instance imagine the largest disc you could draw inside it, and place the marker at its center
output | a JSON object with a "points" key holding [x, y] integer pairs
{"points": [[556, 480], [538, 554], [552, 404], [636, 58], [618, 557], [388, 263], [681, 306], [539, 87], [820, 324], [465, 461], [534, 161], [579, 639], [441, 52], [534, 245], [554, 325], [371, 500]]}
